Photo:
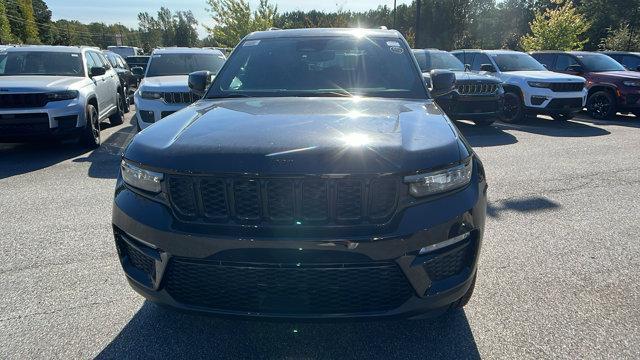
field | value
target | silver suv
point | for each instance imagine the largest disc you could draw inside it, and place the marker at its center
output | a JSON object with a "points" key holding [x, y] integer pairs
{"points": [[57, 91]]}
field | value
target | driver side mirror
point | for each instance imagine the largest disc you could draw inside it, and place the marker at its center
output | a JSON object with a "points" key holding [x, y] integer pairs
{"points": [[198, 81], [137, 71], [487, 68], [442, 82], [97, 71], [575, 69]]}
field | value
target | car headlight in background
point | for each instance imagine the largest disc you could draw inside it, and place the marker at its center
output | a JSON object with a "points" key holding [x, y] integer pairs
{"points": [[538, 84], [140, 178], [62, 95], [150, 95], [632, 83], [440, 181]]}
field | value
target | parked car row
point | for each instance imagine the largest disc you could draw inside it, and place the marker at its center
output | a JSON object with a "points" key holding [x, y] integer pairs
{"points": [[559, 84]]}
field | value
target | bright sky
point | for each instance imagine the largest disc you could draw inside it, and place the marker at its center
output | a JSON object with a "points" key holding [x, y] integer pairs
{"points": [[126, 11]]}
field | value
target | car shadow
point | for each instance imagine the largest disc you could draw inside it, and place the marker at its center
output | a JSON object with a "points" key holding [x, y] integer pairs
{"points": [[484, 136], [618, 120], [548, 127], [155, 332], [524, 205]]}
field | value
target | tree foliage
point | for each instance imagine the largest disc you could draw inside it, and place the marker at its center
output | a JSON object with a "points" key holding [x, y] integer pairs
{"points": [[622, 38], [233, 19], [6, 37], [559, 28], [30, 34]]}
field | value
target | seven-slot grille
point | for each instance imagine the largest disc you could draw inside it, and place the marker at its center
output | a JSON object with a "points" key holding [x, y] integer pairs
{"points": [[180, 97], [302, 201], [477, 89], [17, 101], [566, 87]]}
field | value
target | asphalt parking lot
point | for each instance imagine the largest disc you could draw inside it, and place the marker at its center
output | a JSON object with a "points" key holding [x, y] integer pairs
{"points": [[558, 275]]}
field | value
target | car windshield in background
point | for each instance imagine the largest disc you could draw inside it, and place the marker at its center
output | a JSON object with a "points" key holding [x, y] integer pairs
{"points": [[183, 64], [599, 63], [41, 63], [517, 62], [322, 66], [438, 60]]}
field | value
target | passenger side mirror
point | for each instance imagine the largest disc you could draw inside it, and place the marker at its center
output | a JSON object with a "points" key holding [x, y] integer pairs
{"points": [[199, 80], [442, 82], [97, 71], [575, 69], [137, 71], [487, 68]]}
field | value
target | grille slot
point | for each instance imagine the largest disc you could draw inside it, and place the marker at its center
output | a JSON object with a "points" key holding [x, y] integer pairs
{"points": [[19, 101], [477, 88], [180, 97], [283, 201], [288, 289], [448, 264], [566, 87]]}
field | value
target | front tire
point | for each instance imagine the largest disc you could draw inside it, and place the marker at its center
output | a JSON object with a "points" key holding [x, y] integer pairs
{"points": [[601, 105], [90, 137], [118, 117], [126, 104], [513, 109]]}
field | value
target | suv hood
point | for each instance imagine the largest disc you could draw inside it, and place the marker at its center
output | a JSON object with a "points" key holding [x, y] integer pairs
{"points": [[467, 76], [37, 83], [300, 136], [542, 75], [165, 83], [617, 75]]}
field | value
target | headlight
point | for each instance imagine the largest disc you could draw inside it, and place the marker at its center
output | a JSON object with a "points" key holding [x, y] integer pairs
{"points": [[439, 181], [140, 178], [151, 95], [62, 95], [538, 84], [632, 83]]}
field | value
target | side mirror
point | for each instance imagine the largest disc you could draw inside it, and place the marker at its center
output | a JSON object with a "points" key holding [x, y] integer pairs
{"points": [[638, 68], [137, 71], [97, 71], [442, 82], [427, 79], [467, 67], [199, 80], [575, 69], [487, 68]]}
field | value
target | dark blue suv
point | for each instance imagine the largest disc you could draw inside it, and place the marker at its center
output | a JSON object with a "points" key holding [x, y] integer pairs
{"points": [[315, 179]]}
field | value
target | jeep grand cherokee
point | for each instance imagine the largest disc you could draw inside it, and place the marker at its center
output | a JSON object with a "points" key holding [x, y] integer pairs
{"points": [[315, 179]]}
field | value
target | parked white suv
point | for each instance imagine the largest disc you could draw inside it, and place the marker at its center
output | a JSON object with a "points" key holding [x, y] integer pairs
{"points": [[57, 91], [165, 89], [529, 87]]}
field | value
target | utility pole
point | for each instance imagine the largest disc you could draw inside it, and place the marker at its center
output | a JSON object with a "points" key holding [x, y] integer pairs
{"points": [[417, 27], [394, 14]]}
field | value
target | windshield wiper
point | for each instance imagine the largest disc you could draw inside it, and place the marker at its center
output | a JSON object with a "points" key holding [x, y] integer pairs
{"points": [[230, 96], [327, 94]]}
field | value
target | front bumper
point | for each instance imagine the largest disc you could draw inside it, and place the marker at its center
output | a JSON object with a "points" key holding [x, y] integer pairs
{"points": [[546, 101], [152, 111], [375, 276], [58, 119]]}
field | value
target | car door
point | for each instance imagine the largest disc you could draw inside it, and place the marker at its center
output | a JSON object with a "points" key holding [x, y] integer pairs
{"points": [[563, 62], [110, 83], [93, 60], [130, 81]]}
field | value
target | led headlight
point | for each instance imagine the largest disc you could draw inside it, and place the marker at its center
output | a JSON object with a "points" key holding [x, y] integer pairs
{"points": [[436, 182], [62, 95], [538, 84], [632, 83], [140, 178], [151, 95]]}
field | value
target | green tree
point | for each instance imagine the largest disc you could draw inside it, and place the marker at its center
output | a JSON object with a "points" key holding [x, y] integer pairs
{"points": [[621, 39], [6, 37], [42, 14], [559, 28], [233, 19], [185, 27], [30, 25]]}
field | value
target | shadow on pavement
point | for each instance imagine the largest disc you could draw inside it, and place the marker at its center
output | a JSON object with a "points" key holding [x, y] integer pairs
{"points": [[106, 159], [156, 332], [484, 136], [532, 204], [618, 120], [547, 127]]}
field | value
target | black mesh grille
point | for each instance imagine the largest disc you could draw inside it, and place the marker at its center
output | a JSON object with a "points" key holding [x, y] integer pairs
{"points": [[24, 124], [137, 259], [334, 289], [448, 264], [477, 88], [566, 87], [303, 201], [17, 101], [568, 103]]}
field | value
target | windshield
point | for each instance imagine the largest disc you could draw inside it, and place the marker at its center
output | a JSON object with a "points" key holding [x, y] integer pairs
{"points": [[41, 63], [599, 63], [438, 60], [320, 66], [183, 64], [517, 62]]}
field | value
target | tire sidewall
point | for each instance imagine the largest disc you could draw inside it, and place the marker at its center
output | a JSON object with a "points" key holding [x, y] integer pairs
{"points": [[600, 116], [512, 96]]}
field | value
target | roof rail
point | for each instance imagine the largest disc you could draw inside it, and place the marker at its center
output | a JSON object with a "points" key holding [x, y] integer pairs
{"points": [[273, 28], [383, 27]]}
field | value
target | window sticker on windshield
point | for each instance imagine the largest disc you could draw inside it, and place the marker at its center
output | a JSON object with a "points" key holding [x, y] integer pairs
{"points": [[396, 49], [74, 55], [251, 43], [157, 55], [393, 43]]}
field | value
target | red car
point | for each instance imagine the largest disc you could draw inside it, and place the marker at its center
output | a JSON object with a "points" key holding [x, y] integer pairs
{"points": [[612, 88]]}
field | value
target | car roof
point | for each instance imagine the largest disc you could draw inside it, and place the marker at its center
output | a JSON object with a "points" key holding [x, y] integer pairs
{"points": [[186, 50], [429, 50], [47, 48], [319, 32], [621, 52]]}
